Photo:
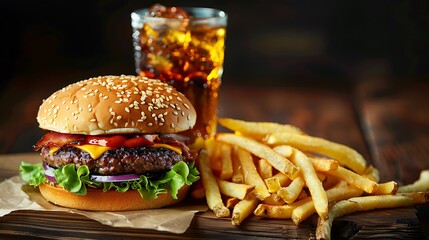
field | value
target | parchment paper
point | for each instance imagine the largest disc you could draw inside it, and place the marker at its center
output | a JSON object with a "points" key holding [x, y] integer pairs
{"points": [[15, 195]]}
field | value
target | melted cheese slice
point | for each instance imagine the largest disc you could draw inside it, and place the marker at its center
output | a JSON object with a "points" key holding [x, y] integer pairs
{"points": [[96, 151]]}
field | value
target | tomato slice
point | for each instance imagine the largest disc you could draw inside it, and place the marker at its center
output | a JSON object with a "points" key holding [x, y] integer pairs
{"points": [[115, 141], [139, 141], [55, 139]]}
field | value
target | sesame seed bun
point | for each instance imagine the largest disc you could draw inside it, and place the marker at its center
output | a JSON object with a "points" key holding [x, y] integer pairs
{"points": [[97, 200], [117, 105]]}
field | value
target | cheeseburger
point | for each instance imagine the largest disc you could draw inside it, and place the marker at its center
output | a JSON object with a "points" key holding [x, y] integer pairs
{"points": [[114, 143]]}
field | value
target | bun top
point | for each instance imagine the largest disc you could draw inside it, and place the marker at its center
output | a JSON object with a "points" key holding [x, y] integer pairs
{"points": [[117, 105]]}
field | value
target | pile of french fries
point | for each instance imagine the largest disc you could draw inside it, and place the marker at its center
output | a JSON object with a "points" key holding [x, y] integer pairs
{"points": [[278, 171]]}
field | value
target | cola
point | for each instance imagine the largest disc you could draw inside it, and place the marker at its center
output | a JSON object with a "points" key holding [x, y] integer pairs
{"points": [[185, 48]]}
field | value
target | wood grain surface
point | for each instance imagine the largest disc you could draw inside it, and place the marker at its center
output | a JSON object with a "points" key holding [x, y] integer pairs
{"points": [[337, 117]]}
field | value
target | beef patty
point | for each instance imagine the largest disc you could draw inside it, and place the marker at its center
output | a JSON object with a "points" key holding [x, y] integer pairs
{"points": [[138, 160]]}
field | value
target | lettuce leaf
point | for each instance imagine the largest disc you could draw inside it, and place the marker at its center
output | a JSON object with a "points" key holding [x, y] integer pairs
{"points": [[34, 174], [78, 180]]}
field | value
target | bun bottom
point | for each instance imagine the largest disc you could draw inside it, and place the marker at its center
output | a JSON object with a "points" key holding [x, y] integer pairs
{"points": [[97, 200]]}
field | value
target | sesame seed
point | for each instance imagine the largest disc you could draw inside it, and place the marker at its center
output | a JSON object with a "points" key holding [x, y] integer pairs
{"points": [[127, 109], [93, 120], [150, 124], [119, 117]]}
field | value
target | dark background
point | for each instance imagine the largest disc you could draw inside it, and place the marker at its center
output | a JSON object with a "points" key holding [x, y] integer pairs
{"points": [[318, 44]]}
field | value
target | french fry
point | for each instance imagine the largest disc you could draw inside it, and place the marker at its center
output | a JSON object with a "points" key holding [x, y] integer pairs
{"points": [[274, 199], [387, 188], [211, 146], [213, 197], [303, 194], [244, 208], [304, 211], [321, 177], [237, 173], [354, 179], [262, 151], [284, 150], [330, 181], [214, 151], [226, 170], [324, 165], [290, 193], [236, 190], [355, 204], [279, 212], [273, 184], [250, 174], [421, 185], [372, 173], [256, 129], [231, 202], [265, 169], [283, 179], [345, 155], [418, 197], [273, 211], [314, 185]]}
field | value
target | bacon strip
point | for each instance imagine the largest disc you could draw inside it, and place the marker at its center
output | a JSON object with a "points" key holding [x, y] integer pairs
{"points": [[56, 139]]}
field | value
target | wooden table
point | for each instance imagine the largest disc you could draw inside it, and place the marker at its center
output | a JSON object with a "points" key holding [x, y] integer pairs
{"points": [[391, 130]]}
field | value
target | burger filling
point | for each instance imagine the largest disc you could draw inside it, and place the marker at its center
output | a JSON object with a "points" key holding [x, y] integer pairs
{"points": [[148, 163]]}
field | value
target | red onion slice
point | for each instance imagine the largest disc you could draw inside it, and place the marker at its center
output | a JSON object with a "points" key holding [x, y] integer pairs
{"points": [[116, 178], [49, 173]]}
